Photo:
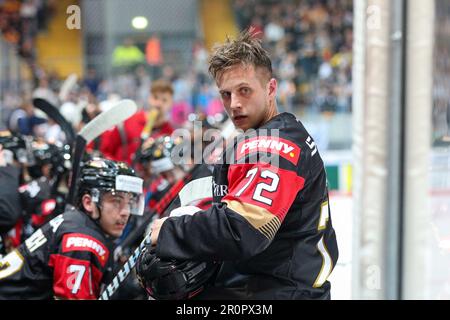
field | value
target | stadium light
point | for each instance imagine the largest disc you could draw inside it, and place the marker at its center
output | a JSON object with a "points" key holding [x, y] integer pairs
{"points": [[139, 23]]}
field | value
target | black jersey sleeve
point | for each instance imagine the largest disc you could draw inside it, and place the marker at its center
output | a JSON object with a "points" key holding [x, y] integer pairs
{"points": [[260, 194], [10, 208]]}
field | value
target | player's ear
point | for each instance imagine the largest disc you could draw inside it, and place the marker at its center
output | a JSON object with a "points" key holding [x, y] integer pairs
{"points": [[89, 206], [272, 86]]}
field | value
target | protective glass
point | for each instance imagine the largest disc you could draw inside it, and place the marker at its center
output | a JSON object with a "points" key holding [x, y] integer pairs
{"points": [[121, 200]]}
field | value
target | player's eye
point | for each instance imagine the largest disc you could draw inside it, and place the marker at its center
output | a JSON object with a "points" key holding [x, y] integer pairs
{"points": [[245, 91], [225, 95]]}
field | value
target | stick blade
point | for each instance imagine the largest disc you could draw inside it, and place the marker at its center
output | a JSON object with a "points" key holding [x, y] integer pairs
{"points": [[67, 86], [106, 120], [52, 112]]}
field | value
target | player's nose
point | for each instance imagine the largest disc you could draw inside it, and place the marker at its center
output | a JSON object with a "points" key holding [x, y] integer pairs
{"points": [[235, 102]]}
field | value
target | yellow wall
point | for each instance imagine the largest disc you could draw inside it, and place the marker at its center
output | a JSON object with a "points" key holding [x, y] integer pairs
{"points": [[218, 21], [60, 49]]}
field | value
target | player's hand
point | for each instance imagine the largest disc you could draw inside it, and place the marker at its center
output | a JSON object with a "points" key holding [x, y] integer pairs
{"points": [[156, 227], [7, 158], [2, 157]]}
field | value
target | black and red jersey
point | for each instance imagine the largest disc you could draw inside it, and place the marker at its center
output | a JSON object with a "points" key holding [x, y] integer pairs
{"points": [[270, 222], [37, 206], [10, 206], [156, 191], [68, 258]]}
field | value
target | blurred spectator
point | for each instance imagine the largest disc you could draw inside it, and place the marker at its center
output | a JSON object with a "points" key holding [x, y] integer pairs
{"points": [[28, 123], [121, 143], [143, 82], [53, 132], [44, 91], [200, 56], [182, 86], [311, 42], [153, 51], [13, 120], [92, 81], [179, 114], [20, 22], [274, 31], [71, 109], [242, 13], [127, 56], [441, 93], [11, 110]]}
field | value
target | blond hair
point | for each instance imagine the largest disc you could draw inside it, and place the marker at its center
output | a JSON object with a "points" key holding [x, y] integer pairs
{"points": [[246, 49], [161, 86]]}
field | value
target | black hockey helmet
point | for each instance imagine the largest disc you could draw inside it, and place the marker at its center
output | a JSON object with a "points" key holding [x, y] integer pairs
{"points": [[173, 279], [15, 143], [58, 156], [11, 141], [99, 176], [157, 154]]}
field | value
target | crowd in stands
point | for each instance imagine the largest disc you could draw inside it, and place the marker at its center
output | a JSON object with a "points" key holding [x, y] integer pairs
{"points": [[95, 93], [310, 42], [311, 45], [21, 21], [441, 73]]}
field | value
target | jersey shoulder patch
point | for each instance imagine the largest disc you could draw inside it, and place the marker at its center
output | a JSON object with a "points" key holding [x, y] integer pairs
{"points": [[83, 242]]}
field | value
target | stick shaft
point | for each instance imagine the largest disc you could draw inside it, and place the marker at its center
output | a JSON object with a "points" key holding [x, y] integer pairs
{"points": [[53, 113], [80, 145]]}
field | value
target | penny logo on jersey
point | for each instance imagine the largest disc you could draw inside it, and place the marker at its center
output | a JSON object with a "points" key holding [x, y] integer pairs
{"points": [[273, 145], [82, 242]]}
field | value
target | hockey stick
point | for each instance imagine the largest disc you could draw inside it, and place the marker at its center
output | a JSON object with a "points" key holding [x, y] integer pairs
{"points": [[104, 121], [67, 86], [131, 262], [145, 134], [180, 189], [52, 112], [196, 189]]}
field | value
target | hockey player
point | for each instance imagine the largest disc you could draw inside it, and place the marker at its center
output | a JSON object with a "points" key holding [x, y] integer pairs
{"points": [[270, 223], [156, 158], [122, 142], [10, 208], [162, 173], [71, 256], [39, 198], [12, 149]]}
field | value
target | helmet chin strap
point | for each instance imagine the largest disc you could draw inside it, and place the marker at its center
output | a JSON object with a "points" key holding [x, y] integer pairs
{"points": [[96, 198], [99, 212], [97, 221]]}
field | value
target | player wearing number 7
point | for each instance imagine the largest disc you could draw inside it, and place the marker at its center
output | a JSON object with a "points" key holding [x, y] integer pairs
{"points": [[71, 256], [270, 222]]}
